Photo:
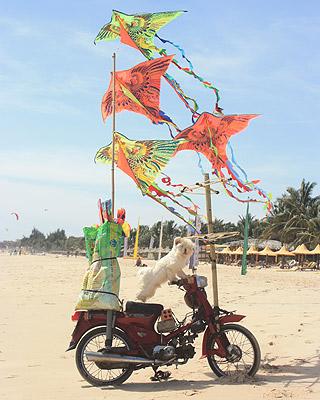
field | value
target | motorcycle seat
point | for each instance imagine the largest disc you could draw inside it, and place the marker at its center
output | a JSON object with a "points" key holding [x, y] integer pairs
{"points": [[133, 307]]}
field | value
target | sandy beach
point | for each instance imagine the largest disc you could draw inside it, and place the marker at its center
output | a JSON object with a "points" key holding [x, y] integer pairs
{"points": [[38, 298]]}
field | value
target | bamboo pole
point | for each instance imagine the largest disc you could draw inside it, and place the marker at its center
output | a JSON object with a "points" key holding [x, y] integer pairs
{"points": [[212, 247], [113, 131]]}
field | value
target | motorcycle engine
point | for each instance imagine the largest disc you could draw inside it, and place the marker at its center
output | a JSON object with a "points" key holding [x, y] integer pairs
{"points": [[164, 353]]}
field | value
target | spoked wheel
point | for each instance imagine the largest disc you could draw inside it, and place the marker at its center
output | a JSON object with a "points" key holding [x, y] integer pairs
{"points": [[99, 373], [243, 352]]}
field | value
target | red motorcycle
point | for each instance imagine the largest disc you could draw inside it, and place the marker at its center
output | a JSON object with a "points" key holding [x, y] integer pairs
{"points": [[111, 345]]}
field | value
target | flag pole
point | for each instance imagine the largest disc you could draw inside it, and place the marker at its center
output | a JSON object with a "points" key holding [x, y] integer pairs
{"points": [[113, 132], [212, 247], [245, 243]]}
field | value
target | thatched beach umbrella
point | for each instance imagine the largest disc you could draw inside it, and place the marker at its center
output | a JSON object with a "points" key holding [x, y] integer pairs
{"points": [[253, 251], [267, 252], [316, 251], [238, 252], [284, 252], [226, 252], [301, 251]]}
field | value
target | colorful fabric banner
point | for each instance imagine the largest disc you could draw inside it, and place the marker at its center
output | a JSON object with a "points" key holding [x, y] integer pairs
{"points": [[101, 283]]}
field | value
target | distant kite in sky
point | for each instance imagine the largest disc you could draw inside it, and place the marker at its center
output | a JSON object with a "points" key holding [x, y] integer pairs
{"points": [[138, 90], [16, 215]]}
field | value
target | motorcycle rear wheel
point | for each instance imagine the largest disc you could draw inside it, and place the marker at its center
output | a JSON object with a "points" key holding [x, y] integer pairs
{"points": [[94, 340], [244, 355]]}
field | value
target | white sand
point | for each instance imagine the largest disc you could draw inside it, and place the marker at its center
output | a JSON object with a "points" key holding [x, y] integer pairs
{"points": [[38, 295]]}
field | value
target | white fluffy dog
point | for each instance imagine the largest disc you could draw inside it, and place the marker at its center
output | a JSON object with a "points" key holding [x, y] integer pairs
{"points": [[166, 269]]}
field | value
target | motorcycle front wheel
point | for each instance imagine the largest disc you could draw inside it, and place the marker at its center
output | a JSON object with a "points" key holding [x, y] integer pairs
{"points": [[243, 352], [96, 373]]}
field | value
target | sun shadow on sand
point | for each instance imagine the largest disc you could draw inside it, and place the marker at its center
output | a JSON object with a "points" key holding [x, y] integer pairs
{"points": [[304, 372], [171, 384], [301, 371]]}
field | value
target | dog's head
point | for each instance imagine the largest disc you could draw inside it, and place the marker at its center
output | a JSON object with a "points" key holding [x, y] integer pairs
{"points": [[185, 247]]}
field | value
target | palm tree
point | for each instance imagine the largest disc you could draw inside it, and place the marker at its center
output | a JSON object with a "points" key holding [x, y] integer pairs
{"points": [[295, 218]]}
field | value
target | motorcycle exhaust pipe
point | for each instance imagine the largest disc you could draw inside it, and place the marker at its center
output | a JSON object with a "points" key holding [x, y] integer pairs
{"points": [[117, 358]]}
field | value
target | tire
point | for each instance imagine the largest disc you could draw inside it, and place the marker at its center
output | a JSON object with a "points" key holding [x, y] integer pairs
{"points": [[90, 371], [245, 348]]}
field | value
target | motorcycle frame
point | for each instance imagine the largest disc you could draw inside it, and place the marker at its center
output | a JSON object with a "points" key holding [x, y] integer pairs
{"points": [[140, 329]]}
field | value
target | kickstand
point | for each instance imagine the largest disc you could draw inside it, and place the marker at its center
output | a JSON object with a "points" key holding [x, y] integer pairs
{"points": [[160, 375]]}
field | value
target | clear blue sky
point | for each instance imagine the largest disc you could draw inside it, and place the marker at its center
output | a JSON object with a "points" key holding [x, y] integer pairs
{"points": [[263, 56]]}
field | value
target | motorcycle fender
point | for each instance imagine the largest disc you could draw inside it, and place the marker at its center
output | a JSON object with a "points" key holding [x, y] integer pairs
{"points": [[83, 325], [231, 318], [223, 320]]}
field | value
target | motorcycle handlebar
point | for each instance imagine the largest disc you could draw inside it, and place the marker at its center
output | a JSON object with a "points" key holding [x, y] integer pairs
{"points": [[178, 282]]}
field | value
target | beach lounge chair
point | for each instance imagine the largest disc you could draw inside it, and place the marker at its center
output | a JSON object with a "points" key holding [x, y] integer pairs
{"points": [[308, 265]]}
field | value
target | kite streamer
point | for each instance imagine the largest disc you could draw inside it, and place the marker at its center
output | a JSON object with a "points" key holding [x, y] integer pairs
{"points": [[190, 70]]}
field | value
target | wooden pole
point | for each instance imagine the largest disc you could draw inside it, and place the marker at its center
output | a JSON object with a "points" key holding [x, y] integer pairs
{"points": [[113, 131], [212, 247]]}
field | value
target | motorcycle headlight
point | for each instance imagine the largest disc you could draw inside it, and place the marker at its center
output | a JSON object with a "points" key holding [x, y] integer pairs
{"points": [[202, 281]]}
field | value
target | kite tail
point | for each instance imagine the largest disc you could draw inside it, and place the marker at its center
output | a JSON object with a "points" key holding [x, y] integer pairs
{"points": [[168, 121], [177, 88], [190, 70], [171, 209], [170, 195], [200, 163], [233, 159], [182, 52], [226, 182], [247, 185]]}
